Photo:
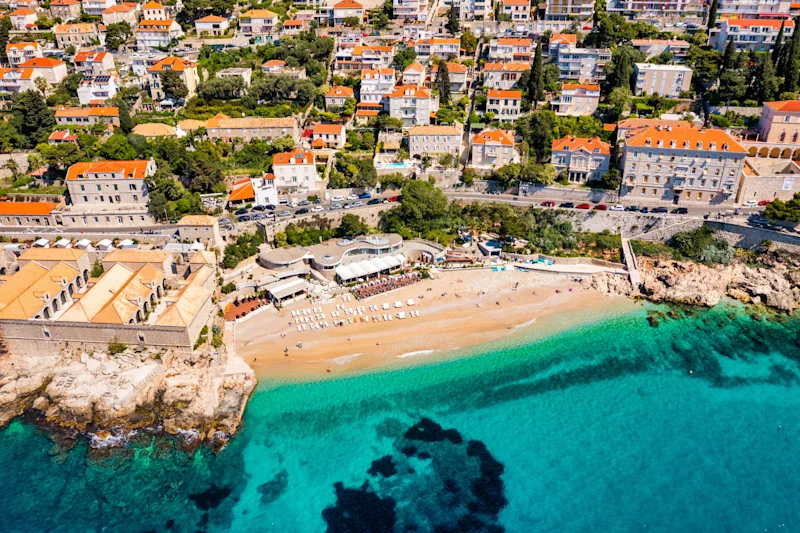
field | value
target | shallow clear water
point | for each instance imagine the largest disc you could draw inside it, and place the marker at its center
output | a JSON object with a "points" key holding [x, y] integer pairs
{"points": [[601, 428]]}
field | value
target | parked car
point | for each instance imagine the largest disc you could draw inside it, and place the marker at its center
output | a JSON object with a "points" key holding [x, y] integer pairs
{"points": [[659, 210], [601, 207], [352, 197], [270, 207], [583, 206], [644, 210], [337, 199], [317, 209], [374, 201], [284, 213], [358, 203], [224, 221], [243, 218], [292, 204], [334, 207], [365, 195], [750, 203], [241, 212], [347, 206], [765, 202], [303, 211], [680, 211], [260, 208], [303, 203], [568, 205], [616, 208], [259, 216], [317, 201], [394, 198], [632, 208], [548, 203]]}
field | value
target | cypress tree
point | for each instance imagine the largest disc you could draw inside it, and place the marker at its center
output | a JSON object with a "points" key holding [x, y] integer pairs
{"points": [[535, 83], [5, 27], [443, 82], [599, 10], [777, 49], [728, 56], [125, 120], [765, 84], [452, 25], [712, 15], [790, 67]]}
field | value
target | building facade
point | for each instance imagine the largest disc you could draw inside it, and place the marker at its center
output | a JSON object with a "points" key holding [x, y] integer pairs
{"points": [[493, 149], [664, 80], [19, 53], [582, 159], [434, 141], [780, 122], [758, 35], [248, 128], [157, 33], [503, 76], [412, 105], [506, 105], [576, 99], [186, 68], [295, 170], [585, 65]]}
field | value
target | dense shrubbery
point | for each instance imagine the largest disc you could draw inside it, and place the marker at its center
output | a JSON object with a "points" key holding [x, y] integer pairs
{"points": [[787, 211], [701, 245], [246, 245]]}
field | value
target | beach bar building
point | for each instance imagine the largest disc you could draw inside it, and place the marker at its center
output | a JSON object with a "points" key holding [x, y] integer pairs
{"points": [[286, 289], [368, 268]]}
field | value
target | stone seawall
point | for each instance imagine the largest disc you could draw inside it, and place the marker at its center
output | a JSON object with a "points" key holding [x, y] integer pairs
{"points": [[751, 238]]}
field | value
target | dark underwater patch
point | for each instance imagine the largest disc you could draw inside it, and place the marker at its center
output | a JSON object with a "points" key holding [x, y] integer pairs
{"points": [[359, 510], [274, 488], [426, 430], [210, 498], [383, 466]]}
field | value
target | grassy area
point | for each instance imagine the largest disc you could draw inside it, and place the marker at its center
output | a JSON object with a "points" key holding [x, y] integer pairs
{"points": [[652, 249]]}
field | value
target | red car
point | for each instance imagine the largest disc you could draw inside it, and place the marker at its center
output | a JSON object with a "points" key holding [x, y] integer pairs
{"points": [[548, 203], [601, 207], [583, 206], [764, 202]]}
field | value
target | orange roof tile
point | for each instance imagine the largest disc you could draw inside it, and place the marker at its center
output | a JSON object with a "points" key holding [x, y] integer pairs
{"points": [[439, 40], [87, 112], [563, 38], [506, 67], [64, 2], [21, 12], [790, 106], [328, 129], [576, 86], [747, 23], [155, 25], [212, 18], [259, 14], [494, 93], [317, 143], [293, 22], [83, 27], [42, 62], [62, 135], [686, 138], [295, 157], [22, 73], [339, 91], [513, 41], [242, 190], [348, 4], [452, 68], [405, 91], [367, 113], [516, 2], [27, 208], [121, 8], [494, 137], [21, 46], [80, 57], [177, 64], [274, 63], [416, 67], [152, 5], [570, 143], [130, 169], [368, 73]]}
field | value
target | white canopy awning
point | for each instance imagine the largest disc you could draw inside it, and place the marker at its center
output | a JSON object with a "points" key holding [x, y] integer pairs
{"points": [[356, 269], [345, 273], [381, 264], [281, 289], [391, 261]]}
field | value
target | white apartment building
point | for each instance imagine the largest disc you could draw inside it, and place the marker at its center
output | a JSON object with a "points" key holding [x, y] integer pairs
{"points": [[576, 99], [337, 96], [103, 183], [509, 49], [154, 11], [410, 10], [664, 80], [295, 170], [17, 80], [506, 105], [98, 87], [96, 7], [125, 12], [18, 53], [94, 62], [493, 149], [328, 136], [557, 40], [53, 70], [377, 85], [752, 9], [414, 74], [515, 10], [439, 47], [586, 65], [471, 9], [157, 33], [413, 105], [211, 25], [655, 47], [503, 76], [682, 165], [347, 9], [634, 9], [350, 58], [568, 9], [459, 77], [77, 35], [187, 69], [584, 159], [758, 35], [434, 141], [258, 24]]}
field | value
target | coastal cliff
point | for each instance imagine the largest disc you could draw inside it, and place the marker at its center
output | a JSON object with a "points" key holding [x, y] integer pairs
{"points": [[775, 285], [201, 398]]}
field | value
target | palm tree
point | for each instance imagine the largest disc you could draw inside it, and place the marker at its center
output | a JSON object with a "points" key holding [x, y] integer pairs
{"points": [[12, 167], [42, 85]]}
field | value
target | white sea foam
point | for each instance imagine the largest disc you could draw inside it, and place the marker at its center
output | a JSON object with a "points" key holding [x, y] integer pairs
{"points": [[526, 324], [415, 354], [345, 358]]}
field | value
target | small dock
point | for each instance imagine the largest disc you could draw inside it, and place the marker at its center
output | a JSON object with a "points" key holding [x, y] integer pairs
{"points": [[631, 263]]}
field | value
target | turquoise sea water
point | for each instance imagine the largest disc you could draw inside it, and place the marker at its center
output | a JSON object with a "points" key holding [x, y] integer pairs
{"points": [[615, 426]]}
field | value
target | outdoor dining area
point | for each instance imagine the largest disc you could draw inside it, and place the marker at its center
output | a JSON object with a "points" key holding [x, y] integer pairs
{"points": [[385, 284], [313, 318]]}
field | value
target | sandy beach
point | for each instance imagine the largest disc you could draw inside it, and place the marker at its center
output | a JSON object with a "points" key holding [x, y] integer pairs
{"points": [[457, 310]]}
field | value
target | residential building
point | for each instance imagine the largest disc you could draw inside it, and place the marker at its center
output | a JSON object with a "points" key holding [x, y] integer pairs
{"points": [[258, 24], [248, 128], [753, 9], [258, 191], [124, 12], [758, 35], [278, 67], [493, 149], [212, 25], [23, 19], [768, 179], [62, 136], [157, 33], [358, 57], [154, 11], [140, 62], [328, 136], [633, 126], [585, 65], [87, 116], [203, 229], [515, 10], [505, 105], [28, 213], [655, 47], [337, 96], [443, 48], [459, 76], [33, 5], [97, 87], [510, 49], [294, 27], [94, 63], [414, 74], [237, 72], [558, 40], [376, 85], [96, 7], [568, 9], [295, 171], [780, 122], [664, 80], [347, 9], [413, 105], [503, 76], [471, 9], [19, 53], [187, 69], [682, 166], [576, 99], [103, 183], [667, 10], [77, 35], [434, 141], [410, 10], [65, 10], [53, 70], [583, 159], [17, 80]]}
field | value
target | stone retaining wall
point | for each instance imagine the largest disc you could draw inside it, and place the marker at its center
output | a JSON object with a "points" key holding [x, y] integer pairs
{"points": [[751, 238], [371, 215]]}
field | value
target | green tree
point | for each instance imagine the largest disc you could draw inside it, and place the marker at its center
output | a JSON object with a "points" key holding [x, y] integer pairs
{"points": [[118, 34], [536, 85], [5, 27], [599, 11], [622, 98], [777, 49], [469, 42], [31, 117], [452, 25], [422, 206], [351, 22], [443, 82], [619, 71], [125, 120], [732, 86], [172, 84], [712, 15], [227, 88], [544, 174], [728, 57], [117, 148], [791, 63], [765, 83], [351, 226], [404, 57]]}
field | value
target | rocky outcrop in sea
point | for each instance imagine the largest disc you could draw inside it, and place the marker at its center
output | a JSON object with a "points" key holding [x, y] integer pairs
{"points": [[200, 398]]}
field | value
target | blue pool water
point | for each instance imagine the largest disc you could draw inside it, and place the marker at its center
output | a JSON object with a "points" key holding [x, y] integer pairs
{"points": [[616, 426]]}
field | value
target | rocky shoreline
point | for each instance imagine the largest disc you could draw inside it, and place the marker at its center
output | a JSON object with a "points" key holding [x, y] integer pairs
{"points": [[775, 285], [198, 398]]}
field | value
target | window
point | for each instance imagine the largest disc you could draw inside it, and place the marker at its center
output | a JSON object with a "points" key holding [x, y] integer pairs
{"points": [[116, 188], [83, 188], [99, 188]]}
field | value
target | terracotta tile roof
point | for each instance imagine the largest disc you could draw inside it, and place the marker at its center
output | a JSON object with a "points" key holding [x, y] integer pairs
{"points": [[64, 3], [506, 67], [62, 136], [42, 62], [82, 57], [27, 208], [21, 46], [293, 23], [513, 41], [563, 38], [516, 2], [348, 4], [259, 14], [406, 91], [452, 68], [438, 40], [318, 143], [137, 256], [223, 121], [571, 144], [198, 220], [87, 112], [274, 63], [211, 18], [494, 93], [494, 137], [21, 12], [127, 7], [75, 28], [748, 23], [368, 73], [367, 113], [189, 300], [152, 5], [154, 129], [686, 138], [673, 42], [576, 86], [339, 91], [23, 294], [416, 67], [242, 190], [790, 106], [359, 50], [155, 25], [328, 129], [295, 157], [23, 73], [177, 64], [130, 169], [434, 130]]}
